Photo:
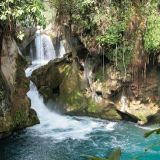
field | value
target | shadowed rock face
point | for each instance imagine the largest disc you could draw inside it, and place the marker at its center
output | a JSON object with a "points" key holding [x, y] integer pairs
{"points": [[15, 111]]}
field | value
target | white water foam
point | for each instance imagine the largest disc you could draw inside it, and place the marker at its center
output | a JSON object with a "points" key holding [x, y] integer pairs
{"points": [[63, 127], [33, 67]]}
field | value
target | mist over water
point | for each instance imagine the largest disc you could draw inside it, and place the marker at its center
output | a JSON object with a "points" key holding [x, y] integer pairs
{"points": [[60, 137]]}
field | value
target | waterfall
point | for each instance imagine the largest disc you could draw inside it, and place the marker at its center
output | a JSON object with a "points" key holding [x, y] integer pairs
{"points": [[44, 48], [60, 127], [52, 124]]}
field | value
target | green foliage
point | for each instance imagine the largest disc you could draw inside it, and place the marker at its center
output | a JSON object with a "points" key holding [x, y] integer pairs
{"points": [[112, 36], [79, 12], [106, 23], [20, 35], [147, 134], [49, 12], [17, 13], [112, 40], [152, 34], [115, 155]]}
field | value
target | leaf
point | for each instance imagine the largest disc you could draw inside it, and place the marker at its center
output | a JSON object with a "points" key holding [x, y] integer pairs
{"points": [[3, 17], [115, 155], [97, 158], [147, 134], [20, 35]]}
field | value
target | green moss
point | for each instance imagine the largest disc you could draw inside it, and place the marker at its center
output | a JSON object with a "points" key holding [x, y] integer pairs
{"points": [[99, 75], [33, 119], [75, 100], [20, 117], [110, 113], [143, 118], [92, 106]]}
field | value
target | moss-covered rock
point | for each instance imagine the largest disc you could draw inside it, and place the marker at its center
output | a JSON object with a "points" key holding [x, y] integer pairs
{"points": [[15, 111], [70, 79], [101, 97], [49, 77], [70, 90]]}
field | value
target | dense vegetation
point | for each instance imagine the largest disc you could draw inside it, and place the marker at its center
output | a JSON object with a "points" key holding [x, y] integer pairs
{"points": [[128, 31], [105, 24]]}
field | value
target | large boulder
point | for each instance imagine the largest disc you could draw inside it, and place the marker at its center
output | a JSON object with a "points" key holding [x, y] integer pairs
{"points": [[76, 97], [49, 77], [15, 111]]}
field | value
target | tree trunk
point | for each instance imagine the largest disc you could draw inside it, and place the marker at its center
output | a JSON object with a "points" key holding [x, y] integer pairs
{"points": [[1, 43]]}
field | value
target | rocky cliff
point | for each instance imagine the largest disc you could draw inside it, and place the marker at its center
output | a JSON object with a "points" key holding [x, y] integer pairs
{"points": [[94, 87], [15, 111]]}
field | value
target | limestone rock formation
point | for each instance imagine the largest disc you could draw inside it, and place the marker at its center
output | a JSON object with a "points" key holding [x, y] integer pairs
{"points": [[15, 111], [74, 92]]}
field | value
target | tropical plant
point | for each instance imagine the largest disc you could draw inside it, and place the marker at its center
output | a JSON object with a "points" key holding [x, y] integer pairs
{"points": [[115, 155]]}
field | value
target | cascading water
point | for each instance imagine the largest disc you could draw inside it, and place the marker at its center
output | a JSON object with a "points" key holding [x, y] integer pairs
{"points": [[69, 127], [44, 48], [62, 127], [60, 137]]}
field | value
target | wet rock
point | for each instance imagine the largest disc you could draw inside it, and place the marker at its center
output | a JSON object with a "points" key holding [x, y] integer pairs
{"points": [[76, 97], [48, 78], [14, 103]]}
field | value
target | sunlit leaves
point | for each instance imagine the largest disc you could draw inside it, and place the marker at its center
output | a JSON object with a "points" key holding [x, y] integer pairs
{"points": [[112, 36], [26, 12], [20, 35], [152, 34]]}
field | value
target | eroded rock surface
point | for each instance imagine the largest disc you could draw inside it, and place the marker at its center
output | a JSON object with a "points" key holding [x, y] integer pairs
{"points": [[15, 111]]}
